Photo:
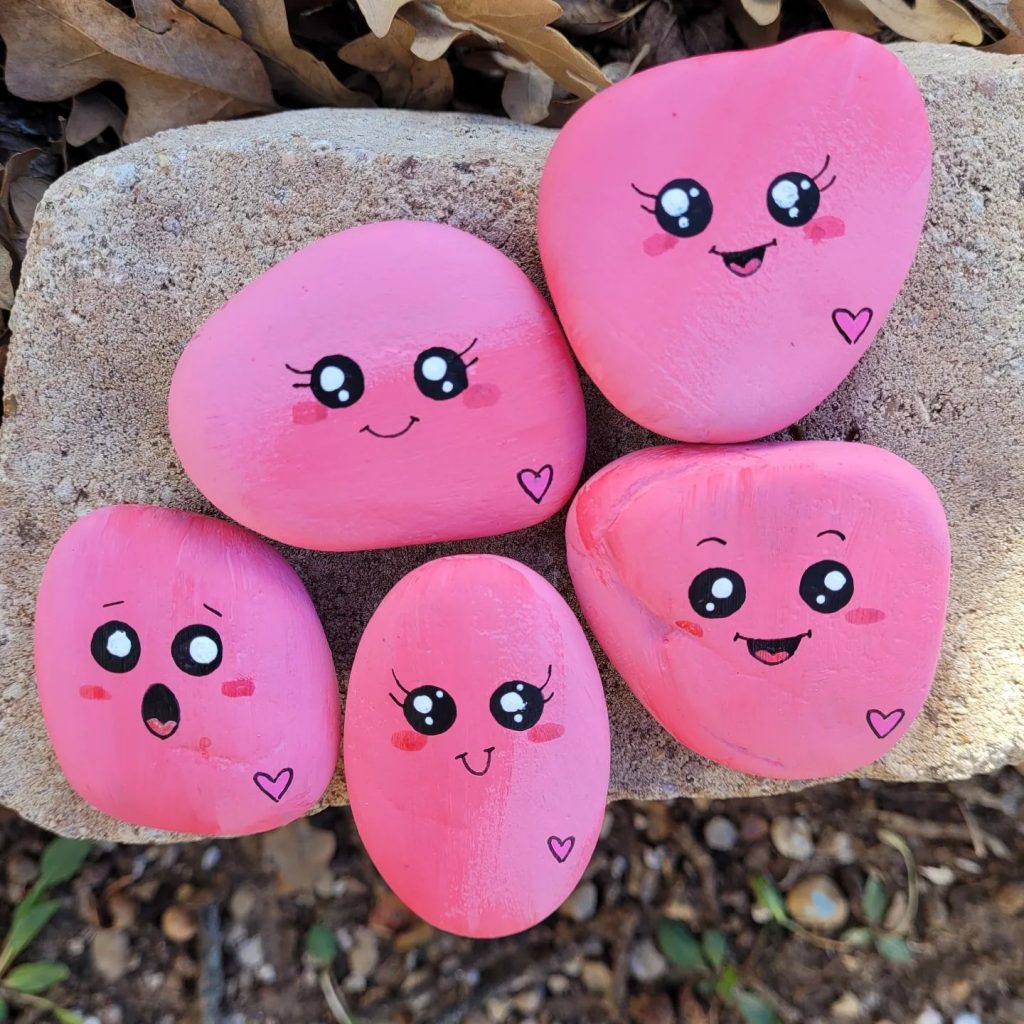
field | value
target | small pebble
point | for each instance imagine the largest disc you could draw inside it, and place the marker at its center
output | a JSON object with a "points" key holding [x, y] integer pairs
{"points": [[939, 875], [720, 833], [558, 984], [792, 838], [250, 952], [243, 903], [364, 955], [529, 1001], [497, 1009], [838, 846], [817, 903], [109, 951], [846, 1007], [966, 1018], [753, 827], [651, 1008], [646, 963], [178, 924], [211, 858], [1010, 899], [929, 1015], [582, 903], [597, 976]]}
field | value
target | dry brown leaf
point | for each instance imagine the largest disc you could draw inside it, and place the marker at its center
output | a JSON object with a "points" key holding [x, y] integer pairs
{"points": [[1002, 13], [618, 70], [592, 17], [91, 115], [300, 853], [1011, 44], [763, 12], [379, 14], [435, 31], [526, 94], [294, 71], [850, 16], [213, 13], [751, 32], [174, 68], [928, 21], [404, 79]]}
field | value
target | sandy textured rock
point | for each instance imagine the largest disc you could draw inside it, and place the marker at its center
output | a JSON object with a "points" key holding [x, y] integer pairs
{"points": [[131, 252]]}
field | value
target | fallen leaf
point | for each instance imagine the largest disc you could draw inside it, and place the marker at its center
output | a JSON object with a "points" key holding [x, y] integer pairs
{"points": [[928, 21], [592, 17], [213, 13], [763, 12], [300, 854], [293, 71], [526, 94], [405, 80], [850, 16], [618, 70], [174, 68], [661, 32], [92, 113], [435, 31], [379, 14], [1002, 13], [752, 32]]}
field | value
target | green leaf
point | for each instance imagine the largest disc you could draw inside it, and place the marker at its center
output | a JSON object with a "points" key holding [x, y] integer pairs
{"points": [[678, 943], [873, 901], [321, 945], [715, 946], [4, 1010], [37, 977], [727, 983], [860, 937], [66, 1016], [753, 1008], [894, 948], [62, 860], [27, 923], [770, 898]]}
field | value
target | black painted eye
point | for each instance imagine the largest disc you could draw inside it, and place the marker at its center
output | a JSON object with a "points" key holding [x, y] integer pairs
{"points": [[429, 710], [197, 650], [793, 198], [826, 586], [517, 705], [115, 647], [717, 593], [337, 382], [441, 373], [683, 207]]}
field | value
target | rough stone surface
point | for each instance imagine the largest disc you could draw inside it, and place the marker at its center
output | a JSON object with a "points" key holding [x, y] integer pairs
{"points": [[132, 251]]}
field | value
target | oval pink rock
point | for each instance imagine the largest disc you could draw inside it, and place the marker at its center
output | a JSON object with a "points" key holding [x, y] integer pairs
{"points": [[183, 673], [476, 745], [396, 383], [723, 236], [778, 608]]}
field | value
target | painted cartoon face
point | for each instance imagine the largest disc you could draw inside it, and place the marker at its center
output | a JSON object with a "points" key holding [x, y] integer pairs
{"points": [[723, 236], [778, 608], [476, 745], [397, 383], [183, 673]]}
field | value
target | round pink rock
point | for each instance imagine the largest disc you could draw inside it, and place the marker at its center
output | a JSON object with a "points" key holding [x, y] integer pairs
{"points": [[397, 383], [724, 235], [476, 745], [183, 673], [778, 608]]}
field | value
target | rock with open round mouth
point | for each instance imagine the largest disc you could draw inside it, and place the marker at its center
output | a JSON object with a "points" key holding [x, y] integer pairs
{"points": [[744, 262], [773, 652], [161, 712]]}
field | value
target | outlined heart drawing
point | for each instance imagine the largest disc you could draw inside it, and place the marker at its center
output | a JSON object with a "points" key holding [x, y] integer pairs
{"points": [[274, 786], [561, 848], [852, 325], [882, 723], [536, 482]]}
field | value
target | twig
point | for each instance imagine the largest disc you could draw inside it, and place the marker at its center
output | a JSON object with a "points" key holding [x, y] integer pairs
{"points": [[705, 866], [977, 836], [899, 844], [333, 997], [923, 829], [211, 965]]}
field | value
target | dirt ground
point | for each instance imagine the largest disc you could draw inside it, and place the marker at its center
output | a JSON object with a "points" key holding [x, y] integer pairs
{"points": [[216, 932]]}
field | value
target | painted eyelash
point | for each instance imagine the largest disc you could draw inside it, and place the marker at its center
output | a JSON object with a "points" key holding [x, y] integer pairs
{"points": [[301, 373], [475, 359], [545, 686], [648, 195], [398, 683], [832, 180]]}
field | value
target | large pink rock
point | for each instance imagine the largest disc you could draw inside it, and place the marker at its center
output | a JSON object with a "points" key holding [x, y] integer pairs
{"points": [[723, 236], [777, 607], [476, 745], [183, 673], [396, 383]]}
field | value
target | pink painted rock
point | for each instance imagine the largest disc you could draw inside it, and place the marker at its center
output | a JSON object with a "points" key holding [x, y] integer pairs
{"points": [[777, 607], [724, 235], [396, 383], [183, 673], [476, 745]]}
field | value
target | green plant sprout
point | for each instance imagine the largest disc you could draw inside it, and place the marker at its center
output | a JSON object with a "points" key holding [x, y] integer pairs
{"points": [[25, 985], [322, 949], [717, 978]]}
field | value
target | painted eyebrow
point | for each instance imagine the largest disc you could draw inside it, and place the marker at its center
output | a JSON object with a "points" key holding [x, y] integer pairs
{"points": [[214, 610], [110, 604], [839, 534], [717, 540]]}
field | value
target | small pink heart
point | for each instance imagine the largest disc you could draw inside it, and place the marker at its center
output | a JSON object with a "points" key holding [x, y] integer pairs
{"points": [[851, 326], [274, 786], [882, 723], [536, 482], [561, 848]]}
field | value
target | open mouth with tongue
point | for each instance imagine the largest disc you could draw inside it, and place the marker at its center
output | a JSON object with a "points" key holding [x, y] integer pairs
{"points": [[161, 713], [744, 262], [773, 652]]}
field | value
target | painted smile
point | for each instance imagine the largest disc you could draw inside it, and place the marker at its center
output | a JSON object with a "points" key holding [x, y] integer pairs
{"points": [[161, 713], [773, 652], [744, 262], [413, 420], [464, 758]]}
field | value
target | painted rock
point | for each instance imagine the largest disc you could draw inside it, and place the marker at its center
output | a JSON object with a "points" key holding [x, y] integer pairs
{"points": [[476, 745], [183, 673], [396, 383], [777, 607], [724, 235]]}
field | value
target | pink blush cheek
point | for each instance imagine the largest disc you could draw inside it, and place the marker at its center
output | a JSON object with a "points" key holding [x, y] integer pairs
{"points": [[822, 228], [481, 396], [690, 627], [656, 245], [545, 732], [864, 616], [406, 739], [308, 412], [238, 688], [93, 693]]}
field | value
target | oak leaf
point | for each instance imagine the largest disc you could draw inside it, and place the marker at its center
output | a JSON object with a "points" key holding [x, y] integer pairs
{"points": [[92, 113], [928, 21], [850, 16]]}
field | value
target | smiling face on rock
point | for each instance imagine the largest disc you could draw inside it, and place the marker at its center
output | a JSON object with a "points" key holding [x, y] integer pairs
{"points": [[723, 236], [778, 608], [396, 383], [183, 673], [476, 745]]}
